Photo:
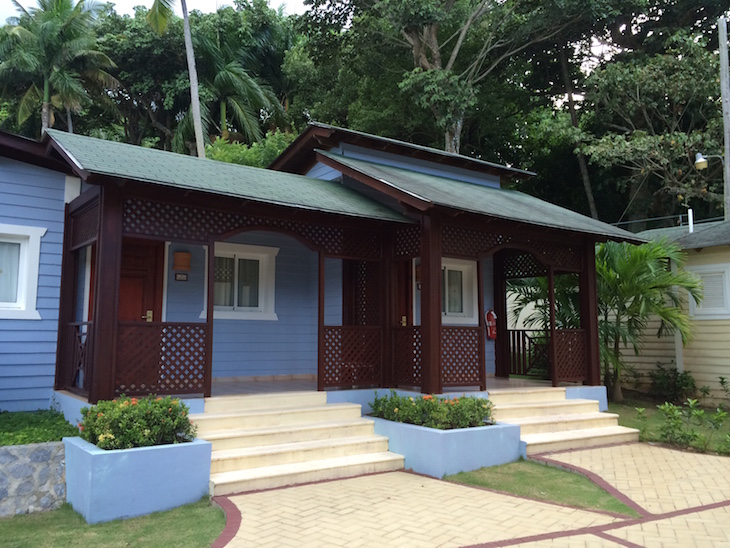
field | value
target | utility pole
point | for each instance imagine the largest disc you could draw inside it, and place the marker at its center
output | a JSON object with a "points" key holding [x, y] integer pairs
{"points": [[725, 94]]}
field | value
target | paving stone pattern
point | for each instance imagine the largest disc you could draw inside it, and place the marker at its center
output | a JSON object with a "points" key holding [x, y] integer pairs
{"points": [[32, 478], [683, 499]]}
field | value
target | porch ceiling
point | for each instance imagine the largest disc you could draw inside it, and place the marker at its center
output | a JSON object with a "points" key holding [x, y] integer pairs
{"points": [[495, 202], [90, 156]]}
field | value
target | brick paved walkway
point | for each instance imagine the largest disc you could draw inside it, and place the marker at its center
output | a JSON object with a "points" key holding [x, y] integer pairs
{"points": [[684, 500]]}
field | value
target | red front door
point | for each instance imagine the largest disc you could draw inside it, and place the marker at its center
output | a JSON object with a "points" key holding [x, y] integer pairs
{"points": [[140, 284]]}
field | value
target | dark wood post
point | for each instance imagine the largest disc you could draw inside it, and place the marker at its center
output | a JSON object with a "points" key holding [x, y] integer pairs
{"points": [[320, 324], [501, 344], [387, 318], [106, 300], [552, 347], [589, 314], [209, 318], [66, 308], [482, 327], [431, 303]]}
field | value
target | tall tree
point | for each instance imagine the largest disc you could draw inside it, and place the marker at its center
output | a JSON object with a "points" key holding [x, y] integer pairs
{"points": [[51, 49], [158, 18]]}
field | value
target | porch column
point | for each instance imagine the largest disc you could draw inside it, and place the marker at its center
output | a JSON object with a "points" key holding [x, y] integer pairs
{"points": [[209, 317], [589, 314], [389, 283], [501, 343], [552, 348], [431, 303], [66, 308], [106, 299], [320, 322]]}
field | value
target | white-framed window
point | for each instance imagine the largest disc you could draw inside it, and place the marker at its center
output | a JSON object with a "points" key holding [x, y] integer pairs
{"points": [[716, 292], [244, 282], [20, 251], [458, 292]]}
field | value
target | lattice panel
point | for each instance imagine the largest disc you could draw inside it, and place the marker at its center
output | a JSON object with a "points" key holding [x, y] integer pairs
{"points": [[407, 356], [523, 266], [408, 242], [160, 359], [460, 356], [84, 226], [368, 295], [352, 357], [178, 222], [570, 353], [468, 242], [529, 353]]}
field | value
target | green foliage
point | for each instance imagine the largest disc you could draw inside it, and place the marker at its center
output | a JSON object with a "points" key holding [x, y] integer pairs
{"points": [[131, 422], [433, 412], [22, 427], [670, 385], [259, 154], [681, 424]]}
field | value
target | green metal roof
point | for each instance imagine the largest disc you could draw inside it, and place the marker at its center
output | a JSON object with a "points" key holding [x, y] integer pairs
{"points": [[495, 202], [109, 158]]}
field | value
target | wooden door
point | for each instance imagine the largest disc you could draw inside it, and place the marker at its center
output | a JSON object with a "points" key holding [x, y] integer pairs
{"points": [[140, 284]]}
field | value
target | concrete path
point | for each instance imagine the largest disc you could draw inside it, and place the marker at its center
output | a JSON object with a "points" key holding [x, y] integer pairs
{"points": [[683, 500]]}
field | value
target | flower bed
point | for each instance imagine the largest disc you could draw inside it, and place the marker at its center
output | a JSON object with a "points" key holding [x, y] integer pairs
{"points": [[433, 412], [440, 436], [137, 456]]}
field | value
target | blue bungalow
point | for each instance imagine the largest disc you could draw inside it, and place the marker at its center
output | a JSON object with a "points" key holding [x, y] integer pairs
{"points": [[355, 261]]}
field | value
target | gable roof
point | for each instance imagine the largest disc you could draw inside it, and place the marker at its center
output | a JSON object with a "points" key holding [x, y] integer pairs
{"points": [[298, 158], [95, 157], [430, 190], [709, 234], [29, 151]]}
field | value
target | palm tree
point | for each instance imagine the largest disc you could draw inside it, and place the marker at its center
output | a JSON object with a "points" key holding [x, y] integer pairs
{"points": [[51, 49], [634, 285], [158, 16]]}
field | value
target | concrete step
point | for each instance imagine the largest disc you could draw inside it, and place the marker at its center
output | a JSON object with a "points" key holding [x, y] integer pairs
{"points": [[280, 400], [503, 396], [267, 477], [560, 423], [274, 435], [578, 439], [214, 422], [255, 457], [505, 412]]}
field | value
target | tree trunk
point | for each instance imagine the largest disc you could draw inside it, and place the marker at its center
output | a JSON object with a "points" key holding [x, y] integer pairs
{"points": [[452, 136], [46, 107], [69, 121], [574, 121], [194, 92]]}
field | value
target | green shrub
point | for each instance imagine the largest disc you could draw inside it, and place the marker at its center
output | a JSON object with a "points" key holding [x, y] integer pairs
{"points": [[131, 422], [433, 412], [670, 385], [22, 427]]}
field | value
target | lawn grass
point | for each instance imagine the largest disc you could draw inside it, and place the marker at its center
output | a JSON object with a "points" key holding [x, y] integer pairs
{"points": [[546, 483], [651, 430], [194, 526], [21, 427]]}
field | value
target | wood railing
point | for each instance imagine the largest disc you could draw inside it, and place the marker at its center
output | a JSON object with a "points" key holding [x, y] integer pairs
{"points": [[78, 350], [462, 363], [352, 357], [407, 356], [160, 358], [529, 354], [570, 353]]}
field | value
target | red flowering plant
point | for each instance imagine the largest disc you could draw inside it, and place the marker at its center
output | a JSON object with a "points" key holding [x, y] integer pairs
{"points": [[136, 422], [433, 412]]}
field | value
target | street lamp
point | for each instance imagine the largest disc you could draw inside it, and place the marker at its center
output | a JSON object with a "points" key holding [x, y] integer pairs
{"points": [[700, 162]]}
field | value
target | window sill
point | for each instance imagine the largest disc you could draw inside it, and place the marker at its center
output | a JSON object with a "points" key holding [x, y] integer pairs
{"points": [[18, 314], [238, 315]]}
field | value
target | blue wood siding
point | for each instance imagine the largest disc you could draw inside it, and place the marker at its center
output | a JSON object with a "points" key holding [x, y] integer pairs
{"points": [[32, 196], [242, 348]]}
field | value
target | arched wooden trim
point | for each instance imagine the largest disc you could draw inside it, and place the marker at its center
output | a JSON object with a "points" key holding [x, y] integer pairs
{"points": [[306, 242]]}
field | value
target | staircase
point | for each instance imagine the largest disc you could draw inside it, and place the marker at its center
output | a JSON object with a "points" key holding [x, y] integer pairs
{"points": [[271, 440], [550, 422]]}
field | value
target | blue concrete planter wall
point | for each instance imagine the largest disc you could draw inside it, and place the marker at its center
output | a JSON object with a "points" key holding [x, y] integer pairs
{"points": [[440, 452], [106, 485]]}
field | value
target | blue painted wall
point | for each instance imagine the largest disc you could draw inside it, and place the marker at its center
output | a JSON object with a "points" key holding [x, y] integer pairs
{"points": [[320, 171], [242, 348], [32, 196]]}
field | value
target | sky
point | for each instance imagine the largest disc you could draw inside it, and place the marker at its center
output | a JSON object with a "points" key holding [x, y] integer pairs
{"points": [[7, 9]]}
